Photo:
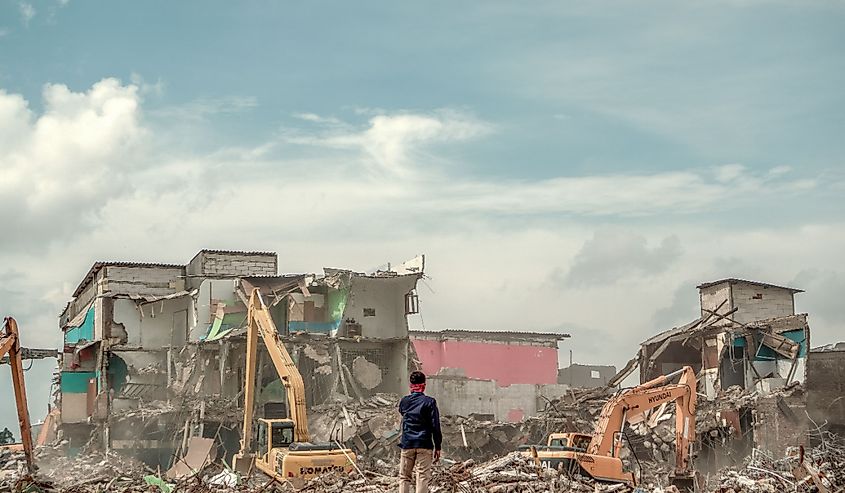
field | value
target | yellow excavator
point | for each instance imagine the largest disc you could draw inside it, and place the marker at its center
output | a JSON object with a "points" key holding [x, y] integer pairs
{"points": [[284, 450], [10, 344], [599, 457]]}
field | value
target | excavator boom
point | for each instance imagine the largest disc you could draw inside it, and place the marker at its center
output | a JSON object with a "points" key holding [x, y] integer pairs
{"points": [[634, 402], [260, 324], [285, 451], [10, 344]]}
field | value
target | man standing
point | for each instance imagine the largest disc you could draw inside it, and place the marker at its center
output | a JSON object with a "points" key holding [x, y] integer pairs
{"points": [[421, 437]]}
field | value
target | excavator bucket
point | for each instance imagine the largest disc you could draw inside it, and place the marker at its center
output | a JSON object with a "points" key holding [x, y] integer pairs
{"points": [[686, 483], [243, 463]]}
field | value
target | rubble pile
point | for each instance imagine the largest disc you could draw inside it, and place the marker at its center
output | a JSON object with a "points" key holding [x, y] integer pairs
{"points": [[821, 468], [479, 439], [511, 473], [91, 469], [55, 471], [12, 464], [370, 427], [579, 410]]}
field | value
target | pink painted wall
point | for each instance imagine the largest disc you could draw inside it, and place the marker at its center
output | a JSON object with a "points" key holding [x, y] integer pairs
{"points": [[504, 363]]}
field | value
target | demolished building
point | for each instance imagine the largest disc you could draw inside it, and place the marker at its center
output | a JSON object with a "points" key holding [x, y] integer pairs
{"points": [[749, 349], [165, 344], [505, 376], [747, 334], [153, 353]]}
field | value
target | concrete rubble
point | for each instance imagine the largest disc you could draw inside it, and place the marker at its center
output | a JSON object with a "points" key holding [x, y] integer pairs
{"points": [[478, 453]]}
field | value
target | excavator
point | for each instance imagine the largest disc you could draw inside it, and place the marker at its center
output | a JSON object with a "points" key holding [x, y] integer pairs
{"points": [[10, 345], [284, 450], [599, 457]]}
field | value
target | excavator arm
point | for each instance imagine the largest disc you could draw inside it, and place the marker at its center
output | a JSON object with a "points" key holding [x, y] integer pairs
{"points": [[10, 344], [260, 324], [634, 402]]}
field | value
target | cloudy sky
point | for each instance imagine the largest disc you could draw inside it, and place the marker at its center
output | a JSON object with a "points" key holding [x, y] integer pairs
{"points": [[574, 167]]}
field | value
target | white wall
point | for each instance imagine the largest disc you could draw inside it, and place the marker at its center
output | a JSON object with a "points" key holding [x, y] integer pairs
{"points": [[218, 289], [153, 329], [709, 380], [387, 297]]}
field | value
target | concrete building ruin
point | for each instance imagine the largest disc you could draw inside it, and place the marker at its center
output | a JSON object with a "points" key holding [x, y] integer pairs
{"points": [[172, 335], [746, 341], [747, 334]]}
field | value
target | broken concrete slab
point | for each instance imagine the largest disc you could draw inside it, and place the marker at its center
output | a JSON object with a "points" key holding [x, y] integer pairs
{"points": [[366, 373]]}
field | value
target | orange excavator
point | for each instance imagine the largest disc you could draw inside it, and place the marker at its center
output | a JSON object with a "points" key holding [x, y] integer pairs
{"points": [[10, 344], [600, 458]]}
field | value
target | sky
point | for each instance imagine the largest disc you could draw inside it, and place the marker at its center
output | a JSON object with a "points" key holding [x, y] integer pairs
{"points": [[565, 166]]}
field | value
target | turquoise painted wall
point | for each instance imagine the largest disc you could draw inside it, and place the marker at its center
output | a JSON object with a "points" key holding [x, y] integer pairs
{"points": [[85, 331], [76, 382], [764, 353]]}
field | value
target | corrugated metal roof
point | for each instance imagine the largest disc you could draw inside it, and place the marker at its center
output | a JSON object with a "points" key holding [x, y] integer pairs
{"points": [[671, 332], [756, 283], [496, 334], [233, 252]]}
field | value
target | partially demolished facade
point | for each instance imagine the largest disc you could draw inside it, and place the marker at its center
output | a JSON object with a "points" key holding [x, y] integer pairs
{"points": [[748, 334], [154, 353]]}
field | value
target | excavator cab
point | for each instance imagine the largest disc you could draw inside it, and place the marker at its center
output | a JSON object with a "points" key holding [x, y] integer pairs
{"points": [[274, 433]]}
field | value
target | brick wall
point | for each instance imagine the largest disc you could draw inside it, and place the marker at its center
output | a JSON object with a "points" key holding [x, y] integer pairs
{"points": [[713, 296], [233, 264], [760, 302], [143, 281]]}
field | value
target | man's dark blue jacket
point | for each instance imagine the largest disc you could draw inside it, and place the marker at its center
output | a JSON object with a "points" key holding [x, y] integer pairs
{"points": [[420, 422]]}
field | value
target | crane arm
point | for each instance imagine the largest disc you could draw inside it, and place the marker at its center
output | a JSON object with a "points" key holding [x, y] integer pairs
{"points": [[260, 323], [10, 344], [634, 402]]}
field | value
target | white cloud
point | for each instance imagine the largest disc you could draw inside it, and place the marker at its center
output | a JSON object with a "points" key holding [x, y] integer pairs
{"points": [[315, 118], [729, 172], [200, 109], [61, 166], [27, 12], [148, 88], [396, 143], [614, 256]]}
